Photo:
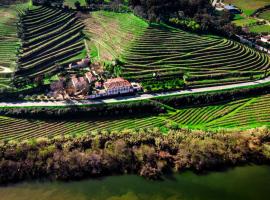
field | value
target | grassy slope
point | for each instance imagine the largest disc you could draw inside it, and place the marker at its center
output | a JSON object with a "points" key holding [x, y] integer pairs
{"points": [[110, 33], [260, 29]]}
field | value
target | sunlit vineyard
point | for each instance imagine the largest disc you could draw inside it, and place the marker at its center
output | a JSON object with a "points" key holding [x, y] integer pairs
{"points": [[205, 60]]}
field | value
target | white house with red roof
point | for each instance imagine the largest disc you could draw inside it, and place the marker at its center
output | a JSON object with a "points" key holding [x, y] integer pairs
{"points": [[118, 86]]}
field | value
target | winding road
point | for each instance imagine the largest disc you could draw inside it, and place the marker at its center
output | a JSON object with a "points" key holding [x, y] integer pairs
{"points": [[23, 104]]}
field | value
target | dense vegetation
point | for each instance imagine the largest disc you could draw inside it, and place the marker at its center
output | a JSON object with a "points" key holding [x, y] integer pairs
{"points": [[51, 37], [147, 153]]}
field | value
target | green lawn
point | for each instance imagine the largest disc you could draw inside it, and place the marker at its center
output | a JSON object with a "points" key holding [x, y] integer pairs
{"points": [[245, 21], [260, 29]]}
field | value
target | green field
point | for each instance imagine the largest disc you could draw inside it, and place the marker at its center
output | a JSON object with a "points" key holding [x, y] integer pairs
{"points": [[245, 21], [51, 37], [239, 114], [12, 128], [260, 29]]}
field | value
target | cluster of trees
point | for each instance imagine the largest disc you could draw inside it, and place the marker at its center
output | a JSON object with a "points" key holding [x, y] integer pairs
{"points": [[215, 97], [121, 109], [9, 2], [163, 9], [157, 85], [199, 11], [47, 2], [147, 153]]}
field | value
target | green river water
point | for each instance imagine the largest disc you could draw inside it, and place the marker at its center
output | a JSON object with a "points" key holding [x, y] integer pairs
{"points": [[241, 183]]}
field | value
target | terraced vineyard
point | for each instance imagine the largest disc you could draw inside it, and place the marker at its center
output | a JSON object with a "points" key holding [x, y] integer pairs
{"points": [[255, 111], [207, 60], [50, 36], [241, 114], [9, 42], [12, 128]]}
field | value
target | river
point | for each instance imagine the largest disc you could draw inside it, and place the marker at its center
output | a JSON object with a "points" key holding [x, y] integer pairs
{"points": [[240, 183]]}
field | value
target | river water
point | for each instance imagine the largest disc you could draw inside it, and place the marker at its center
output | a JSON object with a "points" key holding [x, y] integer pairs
{"points": [[241, 183]]}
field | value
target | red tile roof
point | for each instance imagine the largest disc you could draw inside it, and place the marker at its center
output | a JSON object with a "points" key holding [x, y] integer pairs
{"points": [[116, 83]]}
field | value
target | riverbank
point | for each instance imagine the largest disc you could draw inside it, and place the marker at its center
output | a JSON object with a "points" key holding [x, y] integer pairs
{"points": [[227, 185], [147, 153]]}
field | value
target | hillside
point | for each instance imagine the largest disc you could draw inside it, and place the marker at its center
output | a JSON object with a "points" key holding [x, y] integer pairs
{"points": [[171, 53]]}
